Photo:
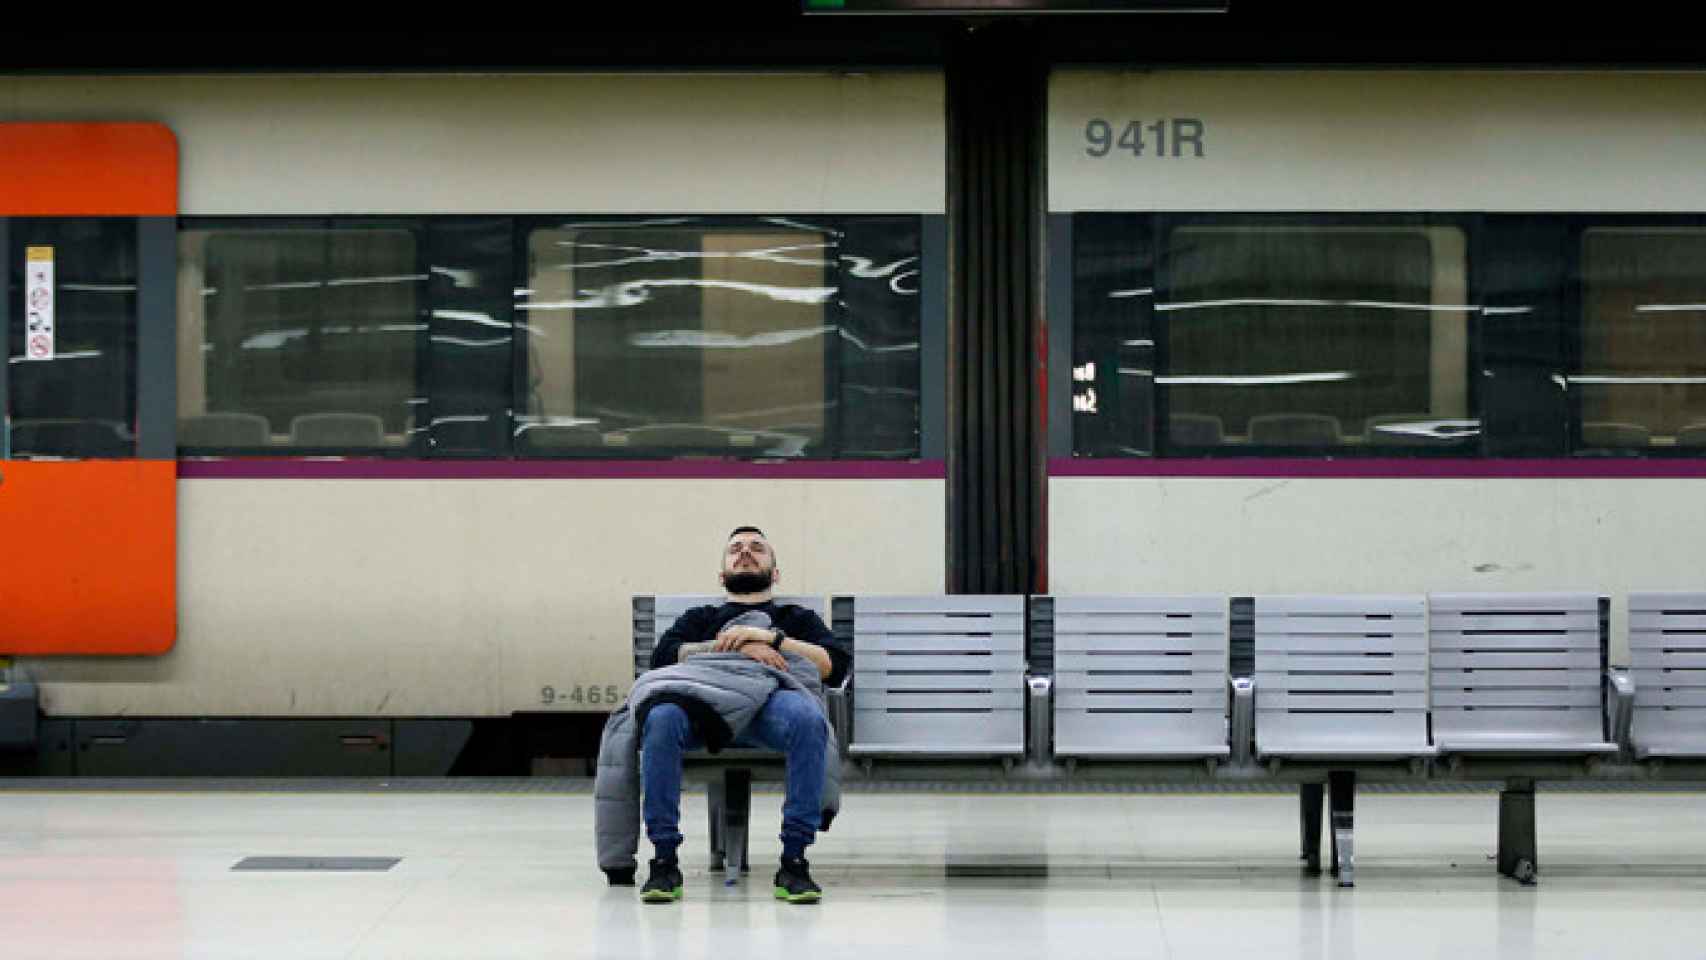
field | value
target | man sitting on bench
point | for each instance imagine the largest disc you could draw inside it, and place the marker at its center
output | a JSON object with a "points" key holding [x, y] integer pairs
{"points": [[752, 624]]}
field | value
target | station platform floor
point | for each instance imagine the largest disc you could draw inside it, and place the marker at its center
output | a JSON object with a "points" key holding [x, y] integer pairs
{"points": [[506, 869]]}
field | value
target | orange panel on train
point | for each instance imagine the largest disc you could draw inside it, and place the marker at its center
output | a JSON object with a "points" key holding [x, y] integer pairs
{"points": [[88, 170], [89, 562]]}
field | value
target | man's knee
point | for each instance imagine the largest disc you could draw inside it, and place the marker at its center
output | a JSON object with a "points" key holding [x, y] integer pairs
{"points": [[804, 724], [667, 723]]}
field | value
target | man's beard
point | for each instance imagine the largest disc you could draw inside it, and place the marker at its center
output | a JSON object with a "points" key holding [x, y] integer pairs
{"points": [[747, 582]]}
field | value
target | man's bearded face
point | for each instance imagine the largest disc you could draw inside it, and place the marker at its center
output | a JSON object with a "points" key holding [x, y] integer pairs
{"points": [[748, 564]]}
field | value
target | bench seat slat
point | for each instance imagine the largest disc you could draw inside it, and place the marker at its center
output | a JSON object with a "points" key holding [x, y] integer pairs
{"points": [[1485, 660], [1081, 700], [1506, 622], [1276, 644], [1480, 679], [1214, 642], [1013, 643], [1194, 604], [1340, 626], [1354, 604], [1529, 697], [1439, 603], [980, 604], [1205, 660], [1138, 623]]}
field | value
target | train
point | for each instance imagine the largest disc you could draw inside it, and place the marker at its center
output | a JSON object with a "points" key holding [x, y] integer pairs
{"points": [[457, 364]]}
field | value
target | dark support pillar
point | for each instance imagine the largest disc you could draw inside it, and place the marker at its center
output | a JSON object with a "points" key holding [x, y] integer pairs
{"points": [[1311, 794], [1341, 805], [1518, 856], [996, 98]]}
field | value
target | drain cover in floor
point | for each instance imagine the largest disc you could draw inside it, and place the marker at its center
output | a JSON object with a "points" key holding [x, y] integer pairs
{"points": [[330, 864]]}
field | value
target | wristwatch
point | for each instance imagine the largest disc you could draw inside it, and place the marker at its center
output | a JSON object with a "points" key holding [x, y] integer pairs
{"points": [[776, 638]]}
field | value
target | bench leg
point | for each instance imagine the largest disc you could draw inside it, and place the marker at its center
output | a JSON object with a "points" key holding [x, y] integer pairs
{"points": [[714, 801], [1341, 803], [1310, 795], [737, 811], [1518, 854]]}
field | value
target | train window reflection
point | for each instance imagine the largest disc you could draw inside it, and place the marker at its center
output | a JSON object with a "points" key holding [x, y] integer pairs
{"points": [[299, 340], [1282, 338], [1641, 383], [692, 338]]}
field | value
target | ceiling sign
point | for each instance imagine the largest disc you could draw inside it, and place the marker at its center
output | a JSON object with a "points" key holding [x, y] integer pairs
{"points": [[978, 8]]}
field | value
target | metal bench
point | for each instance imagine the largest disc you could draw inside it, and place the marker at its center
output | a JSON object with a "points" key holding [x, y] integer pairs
{"points": [[1138, 677], [936, 676], [728, 780], [1340, 679], [1667, 661], [1117, 687], [1517, 675]]}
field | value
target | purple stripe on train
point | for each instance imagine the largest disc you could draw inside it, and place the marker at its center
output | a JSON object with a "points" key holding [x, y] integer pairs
{"points": [[358, 468], [1399, 468]]}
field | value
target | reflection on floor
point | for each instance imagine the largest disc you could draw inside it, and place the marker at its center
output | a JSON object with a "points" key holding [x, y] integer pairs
{"points": [[511, 874]]}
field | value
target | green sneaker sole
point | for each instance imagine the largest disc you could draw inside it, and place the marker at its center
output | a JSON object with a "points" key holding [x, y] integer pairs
{"points": [[808, 897], [662, 896]]}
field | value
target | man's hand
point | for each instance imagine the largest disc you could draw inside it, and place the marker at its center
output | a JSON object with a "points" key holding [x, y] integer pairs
{"points": [[763, 654], [735, 638]]}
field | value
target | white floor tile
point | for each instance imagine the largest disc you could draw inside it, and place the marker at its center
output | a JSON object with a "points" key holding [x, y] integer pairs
{"points": [[907, 877]]}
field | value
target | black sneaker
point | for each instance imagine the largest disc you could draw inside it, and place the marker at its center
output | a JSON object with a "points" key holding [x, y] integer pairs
{"points": [[794, 882], [664, 885]]}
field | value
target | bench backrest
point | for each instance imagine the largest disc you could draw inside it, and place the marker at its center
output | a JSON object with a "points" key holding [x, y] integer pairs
{"points": [[1139, 676], [656, 613], [937, 675], [1667, 661], [1517, 667], [1341, 674]]}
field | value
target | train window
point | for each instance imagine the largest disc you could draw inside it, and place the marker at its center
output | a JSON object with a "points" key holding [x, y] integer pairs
{"points": [[878, 376], [299, 338], [1641, 382], [471, 290], [1113, 335], [75, 395], [680, 337], [1285, 338], [1229, 335]]}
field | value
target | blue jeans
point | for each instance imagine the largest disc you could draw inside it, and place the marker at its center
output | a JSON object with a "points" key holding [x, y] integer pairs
{"points": [[789, 722]]}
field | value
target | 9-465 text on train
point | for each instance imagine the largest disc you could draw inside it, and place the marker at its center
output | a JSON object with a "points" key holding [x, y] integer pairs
{"points": [[578, 695]]}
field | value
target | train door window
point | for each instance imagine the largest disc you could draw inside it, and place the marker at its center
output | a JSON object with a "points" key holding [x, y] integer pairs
{"points": [[1641, 385], [72, 390], [1113, 335], [680, 338], [878, 381], [300, 339], [1286, 338]]}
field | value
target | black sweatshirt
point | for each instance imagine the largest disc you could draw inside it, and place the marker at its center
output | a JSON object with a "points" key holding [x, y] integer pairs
{"points": [[702, 624]]}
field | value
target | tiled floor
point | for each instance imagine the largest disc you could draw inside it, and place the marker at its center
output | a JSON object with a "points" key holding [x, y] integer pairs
{"points": [[128, 874]]}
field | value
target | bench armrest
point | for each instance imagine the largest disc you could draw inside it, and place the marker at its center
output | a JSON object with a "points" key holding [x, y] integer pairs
{"points": [[1243, 731], [1039, 706], [839, 700], [1621, 705]]}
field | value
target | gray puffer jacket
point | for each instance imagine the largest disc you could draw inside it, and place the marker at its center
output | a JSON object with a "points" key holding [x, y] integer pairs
{"points": [[732, 684]]}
